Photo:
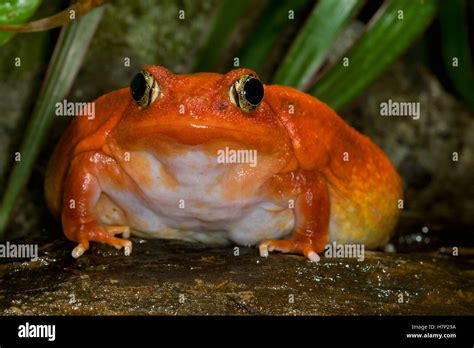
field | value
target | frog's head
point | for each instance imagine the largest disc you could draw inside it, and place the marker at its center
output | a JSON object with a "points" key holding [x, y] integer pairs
{"points": [[200, 108]]}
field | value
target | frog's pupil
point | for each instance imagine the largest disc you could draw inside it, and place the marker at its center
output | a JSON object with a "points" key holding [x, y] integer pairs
{"points": [[253, 91], [138, 86]]}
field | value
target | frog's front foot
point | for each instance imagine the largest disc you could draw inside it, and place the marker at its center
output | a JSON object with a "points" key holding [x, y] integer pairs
{"points": [[82, 191], [103, 234], [311, 222], [288, 246]]}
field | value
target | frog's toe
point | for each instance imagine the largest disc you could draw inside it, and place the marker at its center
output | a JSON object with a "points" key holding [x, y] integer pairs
{"points": [[313, 256], [128, 248], [103, 234], [117, 243], [263, 249], [80, 249], [288, 246], [114, 230]]}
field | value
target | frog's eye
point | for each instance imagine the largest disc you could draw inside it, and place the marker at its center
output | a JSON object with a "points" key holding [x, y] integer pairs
{"points": [[246, 92], [144, 88]]}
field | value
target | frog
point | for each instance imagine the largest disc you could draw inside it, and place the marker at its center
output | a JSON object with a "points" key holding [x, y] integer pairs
{"points": [[169, 157]]}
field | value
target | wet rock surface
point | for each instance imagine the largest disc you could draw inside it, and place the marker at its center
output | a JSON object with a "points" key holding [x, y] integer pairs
{"points": [[176, 278]]}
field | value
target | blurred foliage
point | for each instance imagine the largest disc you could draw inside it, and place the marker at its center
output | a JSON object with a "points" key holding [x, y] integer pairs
{"points": [[314, 41], [227, 18], [455, 48], [65, 63], [395, 27], [13, 12], [77, 9], [273, 22]]}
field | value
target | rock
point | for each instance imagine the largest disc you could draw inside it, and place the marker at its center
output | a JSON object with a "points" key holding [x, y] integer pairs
{"points": [[176, 278]]}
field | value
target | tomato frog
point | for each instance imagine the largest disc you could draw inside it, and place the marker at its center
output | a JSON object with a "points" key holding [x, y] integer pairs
{"points": [[169, 157]]}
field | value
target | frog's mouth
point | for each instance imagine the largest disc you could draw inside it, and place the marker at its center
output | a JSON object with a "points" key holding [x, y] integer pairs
{"points": [[261, 138]]}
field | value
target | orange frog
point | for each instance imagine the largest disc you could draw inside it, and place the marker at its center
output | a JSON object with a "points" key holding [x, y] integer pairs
{"points": [[220, 159]]}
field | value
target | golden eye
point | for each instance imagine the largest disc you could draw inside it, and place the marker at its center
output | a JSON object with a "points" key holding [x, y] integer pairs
{"points": [[144, 88], [246, 92]]}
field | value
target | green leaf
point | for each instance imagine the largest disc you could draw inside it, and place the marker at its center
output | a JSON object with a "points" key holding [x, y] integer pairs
{"points": [[63, 67], [14, 12], [308, 51], [273, 21], [79, 7], [388, 37], [225, 21], [455, 45]]}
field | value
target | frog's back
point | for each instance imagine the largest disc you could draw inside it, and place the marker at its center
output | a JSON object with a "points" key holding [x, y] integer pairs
{"points": [[108, 110]]}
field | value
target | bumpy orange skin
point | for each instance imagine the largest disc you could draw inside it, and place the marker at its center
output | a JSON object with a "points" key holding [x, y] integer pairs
{"points": [[334, 172]]}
